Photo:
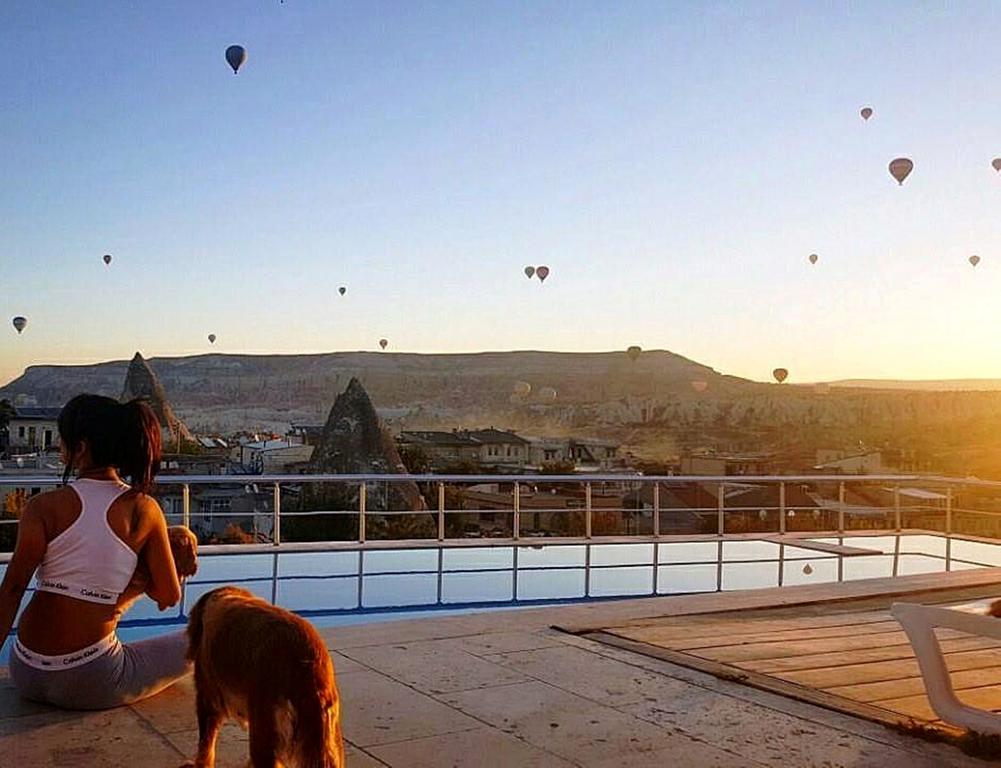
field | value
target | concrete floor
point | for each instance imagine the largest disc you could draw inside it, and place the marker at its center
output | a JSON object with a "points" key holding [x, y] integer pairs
{"points": [[505, 689]]}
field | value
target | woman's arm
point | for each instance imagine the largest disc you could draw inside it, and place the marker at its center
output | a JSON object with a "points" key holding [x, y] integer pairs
{"points": [[164, 586], [28, 554]]}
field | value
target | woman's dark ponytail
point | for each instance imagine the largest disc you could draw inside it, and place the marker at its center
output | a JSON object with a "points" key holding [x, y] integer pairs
{"points": [[140, 448], [125, 436]]}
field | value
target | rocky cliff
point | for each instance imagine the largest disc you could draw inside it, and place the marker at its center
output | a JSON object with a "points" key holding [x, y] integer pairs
{"points": [[140, 381], [354, 442]]}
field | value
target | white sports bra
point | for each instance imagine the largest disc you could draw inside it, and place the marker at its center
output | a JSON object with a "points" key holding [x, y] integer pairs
{"points": [[88, 561]]}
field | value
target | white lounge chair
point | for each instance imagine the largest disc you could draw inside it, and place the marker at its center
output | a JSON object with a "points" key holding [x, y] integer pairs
{"points": [[919, 622]]}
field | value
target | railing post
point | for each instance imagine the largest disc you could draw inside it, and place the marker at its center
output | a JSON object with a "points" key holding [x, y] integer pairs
{"points": [[516, 522], [841, 507], [948, 511], [587, 510], [656, 512], [441, 511], [720, 509], [276, 526], [782, 508], [186, 505], [362, 501], [896, 507]]}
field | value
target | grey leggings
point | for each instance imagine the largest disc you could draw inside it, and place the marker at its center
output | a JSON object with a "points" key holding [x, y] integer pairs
{"points": [[126, 673]]}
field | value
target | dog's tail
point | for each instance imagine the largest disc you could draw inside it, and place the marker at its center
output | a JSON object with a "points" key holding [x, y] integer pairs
{"points": [[318, 731]]}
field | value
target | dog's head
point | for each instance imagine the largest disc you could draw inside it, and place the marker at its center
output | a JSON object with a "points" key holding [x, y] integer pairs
{"points": [[184, 548]]}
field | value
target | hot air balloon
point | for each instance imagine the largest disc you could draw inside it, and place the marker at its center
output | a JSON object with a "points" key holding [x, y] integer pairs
{"points": [[900, 169], [780, 374], [211, 338], [547, 394], [996, 162], [107, 258], [522, 388], [700, 386], [19, 323], [634, 352], [866, 113], [342, 290], [542, 273], [383, 343], [236, 55], [813, 258], [807, 569], [974, 260], [529, 272]]}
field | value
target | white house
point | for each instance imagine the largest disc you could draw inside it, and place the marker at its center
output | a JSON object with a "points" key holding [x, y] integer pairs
{"points": [[33, 428]]}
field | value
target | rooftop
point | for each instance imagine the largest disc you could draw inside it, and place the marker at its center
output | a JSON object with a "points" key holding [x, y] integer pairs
{"points": [[37, 412], [449, 691]]}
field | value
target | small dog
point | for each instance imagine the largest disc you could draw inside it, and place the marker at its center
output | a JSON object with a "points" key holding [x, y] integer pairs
{"points": [[183, 547], [269, 669]]}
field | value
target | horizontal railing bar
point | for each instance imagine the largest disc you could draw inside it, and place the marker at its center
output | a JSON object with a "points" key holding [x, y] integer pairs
{"points": [[479, 479]]}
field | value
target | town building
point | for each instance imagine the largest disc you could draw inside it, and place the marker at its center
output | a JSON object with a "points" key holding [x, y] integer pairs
{"points": [[488, 448], [33, 429]]}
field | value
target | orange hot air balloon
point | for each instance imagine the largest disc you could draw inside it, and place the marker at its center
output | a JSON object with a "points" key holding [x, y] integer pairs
{"points": [[542, 273], [383, 343], [529, 272], [900, 169], [700, 386], [866, 113], [974, 260], [813, 258], [780, 374], [634, 352]]}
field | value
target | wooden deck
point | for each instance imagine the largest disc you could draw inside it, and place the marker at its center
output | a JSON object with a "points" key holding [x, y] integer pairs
{"points": [[850, 656]]}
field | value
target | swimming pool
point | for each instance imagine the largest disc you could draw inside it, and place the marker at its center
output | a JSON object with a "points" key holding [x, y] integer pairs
{"points": [[354, 586]]}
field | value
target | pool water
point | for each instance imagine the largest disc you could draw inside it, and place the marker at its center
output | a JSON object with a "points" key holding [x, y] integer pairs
{"points": [[349, 587]]}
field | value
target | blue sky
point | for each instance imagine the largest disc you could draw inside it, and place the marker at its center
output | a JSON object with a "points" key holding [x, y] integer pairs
{"points": [[673, 163]]}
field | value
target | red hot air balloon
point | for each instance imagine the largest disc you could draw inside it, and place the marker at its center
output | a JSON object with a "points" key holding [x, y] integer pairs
{"points": [[780, 374], [542, 273], [383, 343]]}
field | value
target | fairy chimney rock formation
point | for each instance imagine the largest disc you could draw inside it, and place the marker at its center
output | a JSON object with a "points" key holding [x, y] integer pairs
{"points": [[140, 381], [356, 442]]}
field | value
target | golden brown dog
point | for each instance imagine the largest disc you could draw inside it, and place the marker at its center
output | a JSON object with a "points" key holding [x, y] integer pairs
{"points": [[269, 669]]}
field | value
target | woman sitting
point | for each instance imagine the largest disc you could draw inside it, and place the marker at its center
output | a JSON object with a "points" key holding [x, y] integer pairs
{"points": [[97, 543]]}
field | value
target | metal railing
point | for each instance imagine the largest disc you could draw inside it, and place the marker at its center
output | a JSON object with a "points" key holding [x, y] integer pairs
{"points": [[715, 503]]}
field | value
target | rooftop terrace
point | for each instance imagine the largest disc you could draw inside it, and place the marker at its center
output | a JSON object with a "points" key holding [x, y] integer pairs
{"points": [[507, 689]]}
